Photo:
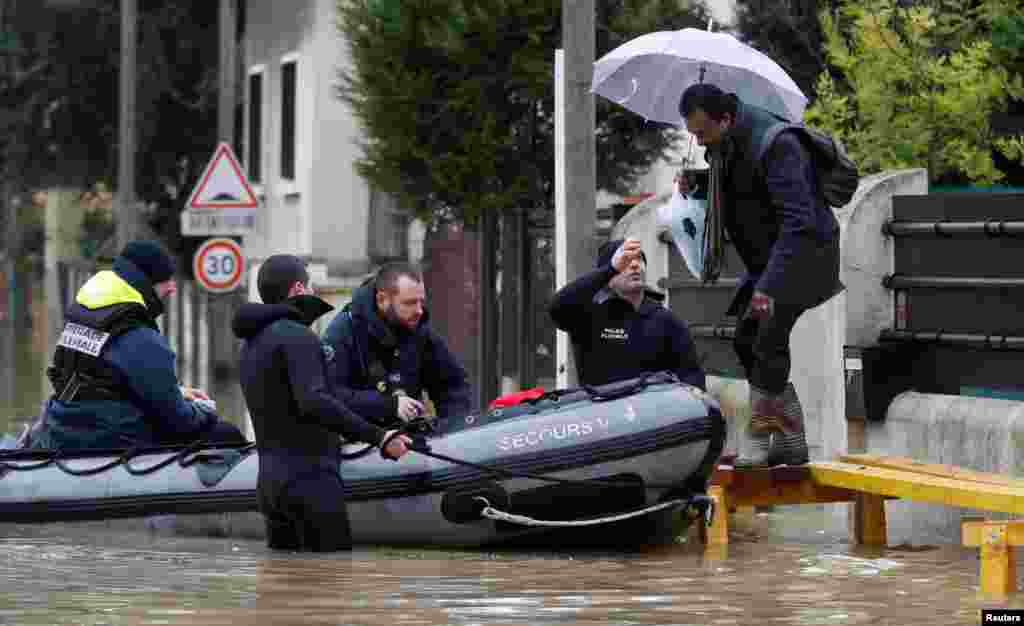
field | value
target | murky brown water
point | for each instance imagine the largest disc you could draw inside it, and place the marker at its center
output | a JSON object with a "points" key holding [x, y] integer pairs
{"points": [[92, 574], [782, 569]]}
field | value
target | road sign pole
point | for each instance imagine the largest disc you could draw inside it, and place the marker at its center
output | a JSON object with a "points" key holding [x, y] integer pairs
{"points": [[224, 347]]}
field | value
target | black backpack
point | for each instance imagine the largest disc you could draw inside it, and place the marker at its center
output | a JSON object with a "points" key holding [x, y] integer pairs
{"points": [[837, 173]]}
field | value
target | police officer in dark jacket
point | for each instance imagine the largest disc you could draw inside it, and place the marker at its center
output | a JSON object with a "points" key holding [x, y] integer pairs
{"points": [[788, 239], [295, 416], [113, 373], [620, 329], [386, 355]]}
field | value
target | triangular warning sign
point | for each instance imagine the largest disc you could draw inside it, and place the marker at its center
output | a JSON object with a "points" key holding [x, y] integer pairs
{"points": [[223, 184]]}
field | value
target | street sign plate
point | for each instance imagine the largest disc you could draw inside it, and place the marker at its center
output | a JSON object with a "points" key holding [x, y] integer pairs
{"points": [[218, 265], [217, 222]]}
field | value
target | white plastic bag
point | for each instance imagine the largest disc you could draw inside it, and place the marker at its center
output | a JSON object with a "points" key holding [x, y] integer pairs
{"points": [[684, 217]]}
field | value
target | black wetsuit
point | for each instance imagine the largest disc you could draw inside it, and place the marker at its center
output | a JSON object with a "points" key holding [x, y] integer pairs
{"points": [[296, 421]]}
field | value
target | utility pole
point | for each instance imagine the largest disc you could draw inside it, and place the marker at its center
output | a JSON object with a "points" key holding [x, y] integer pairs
{"points": [[9, 321], [223, 362], [576, 178], [127, 210]]}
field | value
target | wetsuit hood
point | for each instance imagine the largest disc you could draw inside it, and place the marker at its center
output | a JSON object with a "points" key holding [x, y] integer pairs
{"points": [[253, 317]]}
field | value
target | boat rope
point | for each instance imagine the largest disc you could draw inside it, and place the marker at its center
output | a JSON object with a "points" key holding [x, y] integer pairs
{"points": [[181, 456], [503, 516]]}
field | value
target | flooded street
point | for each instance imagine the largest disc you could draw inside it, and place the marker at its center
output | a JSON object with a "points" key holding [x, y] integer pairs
{"points": [[98, 574], [782, 568]]}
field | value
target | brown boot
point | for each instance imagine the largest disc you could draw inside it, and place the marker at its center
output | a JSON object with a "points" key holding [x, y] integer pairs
{"points": [[775, 435]]}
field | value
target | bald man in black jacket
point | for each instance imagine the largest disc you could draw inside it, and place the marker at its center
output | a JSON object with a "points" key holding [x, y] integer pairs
{"points": [[620, 329]]}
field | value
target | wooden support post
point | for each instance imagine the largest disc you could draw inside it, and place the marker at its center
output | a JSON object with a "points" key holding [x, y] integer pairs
{"points": [[998, 562], [869, 520], [718, 533], [997, 540]]}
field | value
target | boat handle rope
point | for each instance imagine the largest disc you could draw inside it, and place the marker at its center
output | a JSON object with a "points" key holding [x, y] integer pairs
{"points": [[181, 457], [498, 515]]}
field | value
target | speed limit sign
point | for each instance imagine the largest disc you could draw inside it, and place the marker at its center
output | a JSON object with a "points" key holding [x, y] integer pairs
{"points": [[218, 265]]}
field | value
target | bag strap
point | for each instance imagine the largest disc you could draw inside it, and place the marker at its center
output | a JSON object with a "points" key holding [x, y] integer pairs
{"points": [[768, 139]]}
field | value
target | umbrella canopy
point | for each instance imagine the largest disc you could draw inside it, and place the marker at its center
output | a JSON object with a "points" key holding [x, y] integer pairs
{"points": [[647, 75]]}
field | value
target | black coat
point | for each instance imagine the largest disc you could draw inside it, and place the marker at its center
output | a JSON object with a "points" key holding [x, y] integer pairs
{"points": [[786, 235], [372, 359], [283, 376], [614, 341]]}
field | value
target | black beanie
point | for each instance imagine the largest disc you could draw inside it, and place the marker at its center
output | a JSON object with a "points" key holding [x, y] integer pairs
{"points": [[151, 258], [607, 251]]}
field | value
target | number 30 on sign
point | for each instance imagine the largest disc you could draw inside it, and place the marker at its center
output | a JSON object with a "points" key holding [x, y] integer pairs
{"points": [[218, 265]]}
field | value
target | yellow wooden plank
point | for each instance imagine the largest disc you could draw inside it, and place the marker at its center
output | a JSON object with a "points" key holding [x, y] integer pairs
{"points": [[973, 531], [931, 469], [803, 492], [920, 487]]}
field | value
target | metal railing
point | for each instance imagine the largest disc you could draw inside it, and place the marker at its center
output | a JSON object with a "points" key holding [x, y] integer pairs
{"points": [[903, 281], [943, 228]]}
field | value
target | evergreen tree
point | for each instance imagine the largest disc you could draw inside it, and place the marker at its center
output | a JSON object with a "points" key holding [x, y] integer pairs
{"points": [[61, 94], [789, 33], [923, 83], [456, 99]]}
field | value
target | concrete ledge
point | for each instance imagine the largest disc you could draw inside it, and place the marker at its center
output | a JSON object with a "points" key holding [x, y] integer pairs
{"points": [[981, 434]]}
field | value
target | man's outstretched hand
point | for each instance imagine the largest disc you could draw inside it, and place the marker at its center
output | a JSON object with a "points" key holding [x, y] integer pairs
{"points": [[396, 446]]}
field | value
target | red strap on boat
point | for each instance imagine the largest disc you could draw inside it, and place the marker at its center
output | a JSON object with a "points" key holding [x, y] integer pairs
{"points": [[512, 399]]}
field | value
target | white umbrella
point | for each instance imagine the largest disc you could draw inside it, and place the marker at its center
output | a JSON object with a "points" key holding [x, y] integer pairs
{"points": [[647, 75]]}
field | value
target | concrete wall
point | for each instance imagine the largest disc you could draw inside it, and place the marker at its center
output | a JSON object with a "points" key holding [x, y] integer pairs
{"points": [[867, 255], [274, 32], [982, 434], [324, 211], [340, 197]]}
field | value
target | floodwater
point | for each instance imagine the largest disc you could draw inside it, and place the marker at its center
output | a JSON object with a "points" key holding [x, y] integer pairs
{"points": [[788, 566], [100, 574]]}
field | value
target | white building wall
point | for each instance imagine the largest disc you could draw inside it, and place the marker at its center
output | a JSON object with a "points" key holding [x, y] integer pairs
{"points": [[324, 213], [278, 32], [342, 197]]}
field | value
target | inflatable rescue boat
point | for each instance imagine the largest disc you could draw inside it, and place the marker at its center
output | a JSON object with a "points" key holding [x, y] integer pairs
{"points": [[622, 463]]}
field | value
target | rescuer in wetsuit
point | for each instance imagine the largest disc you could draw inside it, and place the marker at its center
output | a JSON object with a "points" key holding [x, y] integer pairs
{"points": [[295, 416]]}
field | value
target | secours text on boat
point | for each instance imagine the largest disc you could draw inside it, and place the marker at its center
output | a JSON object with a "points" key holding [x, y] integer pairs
{"points": [[581, 464]]}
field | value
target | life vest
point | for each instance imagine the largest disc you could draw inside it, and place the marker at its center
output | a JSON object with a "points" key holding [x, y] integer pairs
{"points": [[105, 307]]}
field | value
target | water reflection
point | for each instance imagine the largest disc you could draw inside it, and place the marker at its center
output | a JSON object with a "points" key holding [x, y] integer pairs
{"points": [[22, 368], [100, 575]]}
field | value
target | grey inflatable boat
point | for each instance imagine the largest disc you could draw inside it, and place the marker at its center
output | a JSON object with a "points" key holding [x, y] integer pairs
{"points": [[622, 463]]}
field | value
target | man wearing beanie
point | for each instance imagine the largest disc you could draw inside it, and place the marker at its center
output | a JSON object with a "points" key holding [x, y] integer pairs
{"points": [[113, 373], [296, 418], [619, 329]]}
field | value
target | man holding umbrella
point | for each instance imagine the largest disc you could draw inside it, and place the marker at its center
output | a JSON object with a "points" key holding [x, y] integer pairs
{"points": [[788, 239], [764, 192]]}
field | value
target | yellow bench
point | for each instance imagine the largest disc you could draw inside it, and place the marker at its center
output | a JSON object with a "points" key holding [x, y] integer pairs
{"points": [[867, 481]]}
